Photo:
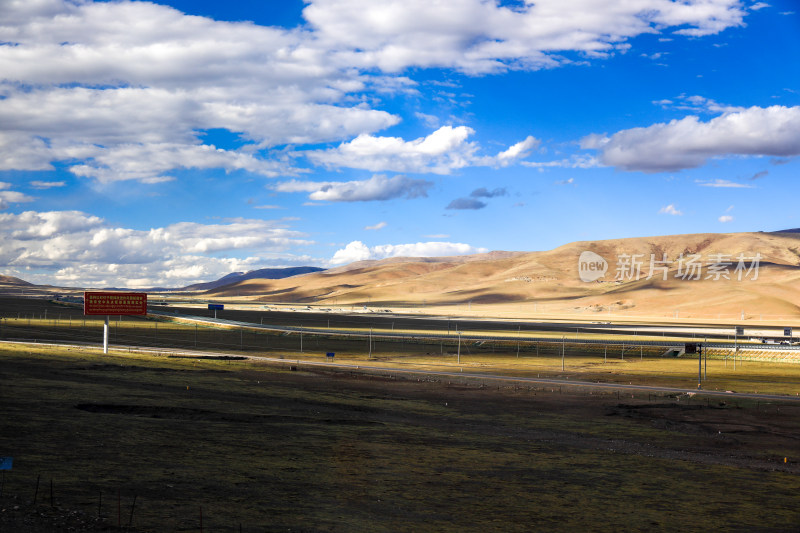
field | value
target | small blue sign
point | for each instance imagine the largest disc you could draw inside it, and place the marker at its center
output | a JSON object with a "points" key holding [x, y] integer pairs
{"points": [[218, 307], [5, 463], [330, 355]]}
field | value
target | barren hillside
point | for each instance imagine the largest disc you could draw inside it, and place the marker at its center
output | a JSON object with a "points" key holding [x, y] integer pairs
{"points": [[706, 274]]}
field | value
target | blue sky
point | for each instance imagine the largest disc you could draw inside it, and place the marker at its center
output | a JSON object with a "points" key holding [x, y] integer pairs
{"points": [[161, 144]]}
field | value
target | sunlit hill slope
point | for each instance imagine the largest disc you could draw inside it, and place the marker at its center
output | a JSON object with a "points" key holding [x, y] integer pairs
{"points": [[740, 274]]}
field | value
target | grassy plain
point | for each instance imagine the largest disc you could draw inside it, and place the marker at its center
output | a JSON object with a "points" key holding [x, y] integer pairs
{"points": [[265, 448]]}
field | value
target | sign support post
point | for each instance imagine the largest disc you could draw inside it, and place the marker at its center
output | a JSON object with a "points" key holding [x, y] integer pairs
{"points": [[105, 336]]}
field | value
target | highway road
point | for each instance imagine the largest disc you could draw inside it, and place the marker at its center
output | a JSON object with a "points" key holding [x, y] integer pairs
{"points": [[431, 328], [494, 379]]}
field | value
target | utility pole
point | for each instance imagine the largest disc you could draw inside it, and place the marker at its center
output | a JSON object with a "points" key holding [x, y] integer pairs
{"points": [[459, 347], [562, 353]]}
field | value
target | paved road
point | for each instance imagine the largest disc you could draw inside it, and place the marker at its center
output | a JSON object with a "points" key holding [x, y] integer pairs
{"points": [[435, 326], [476, 376]]}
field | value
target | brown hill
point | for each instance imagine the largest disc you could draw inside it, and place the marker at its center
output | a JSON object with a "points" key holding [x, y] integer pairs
{"points": [[11, 281], [732, 283]]}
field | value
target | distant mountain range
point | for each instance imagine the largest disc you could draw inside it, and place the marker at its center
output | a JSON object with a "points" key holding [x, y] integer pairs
{"points": [[262, 273], [721, 275], [10, 282], [733, 276]]}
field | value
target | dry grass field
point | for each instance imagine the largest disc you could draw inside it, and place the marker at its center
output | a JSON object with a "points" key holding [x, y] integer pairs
{"points": [[155, 441]]}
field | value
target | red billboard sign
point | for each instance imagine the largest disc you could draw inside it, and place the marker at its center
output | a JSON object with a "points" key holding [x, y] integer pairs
{"points": [[114, 303]]}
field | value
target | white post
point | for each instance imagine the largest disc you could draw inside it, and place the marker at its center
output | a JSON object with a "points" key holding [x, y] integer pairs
{"points": [[459, 347], [562, 353], [105, 335]]}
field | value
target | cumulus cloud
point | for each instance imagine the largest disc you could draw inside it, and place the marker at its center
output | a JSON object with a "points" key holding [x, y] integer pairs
{"points": [[690, 142], [86, 85], [378, 187], [476, 36], [83, 82], [74, 247], [670, 210], [516, 151], [725, 218], [11, 197], [358, 251], [441, 152], [149, 162]]}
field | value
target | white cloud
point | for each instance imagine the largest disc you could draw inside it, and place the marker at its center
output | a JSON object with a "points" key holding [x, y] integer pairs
{"points": [[91, 85], [517, 151], [149, 162], [84, 80], [431, 121], [379, 225], [73, 247], [670, 210], [726, 184], [36, 184], [358, 251], [725, 218], [441, 152], [698, 104], [478, 36], [11, 197], [689, 143], [378, 187], [576, 161]]}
